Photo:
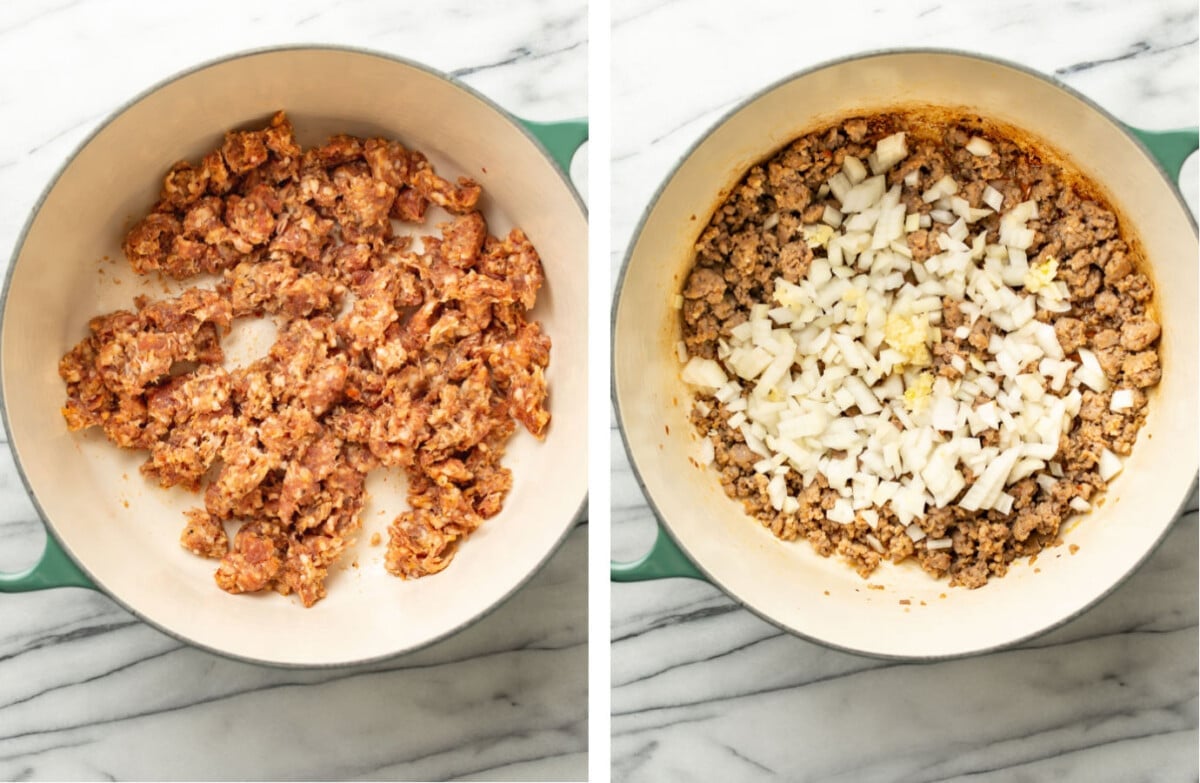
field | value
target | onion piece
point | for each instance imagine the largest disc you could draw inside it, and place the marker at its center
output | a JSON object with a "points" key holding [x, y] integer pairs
{"points": [[864, 195], [855, 171], [979, 147], [993, 198], [1109, 466], [987, 488], [1122, 399], [842, 512], [705, 373], [889, 151], [728, 392], [839, 185], [946, 186], [1090, 373], [777, 492], [831, 216]]}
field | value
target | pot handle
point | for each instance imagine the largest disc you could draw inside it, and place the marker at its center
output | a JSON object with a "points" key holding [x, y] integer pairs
{"points": [[1170, 148], [55, 568], [561, 139], [664, 560]]}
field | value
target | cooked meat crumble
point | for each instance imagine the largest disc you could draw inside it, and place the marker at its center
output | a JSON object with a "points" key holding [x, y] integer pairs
{"points": [[386, 356]]}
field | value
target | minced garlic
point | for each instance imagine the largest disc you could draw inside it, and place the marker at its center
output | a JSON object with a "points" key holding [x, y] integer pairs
{"points": [[907, 334], [817, 235], [1041, 275], [916, 396]]}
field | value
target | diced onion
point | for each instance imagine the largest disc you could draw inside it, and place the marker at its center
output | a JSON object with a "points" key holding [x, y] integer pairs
{"points": [[705, 373], [987, 488], [1090, 373], [864, 195], [727, 392], [993, 198], [831, 216], [839, 185], [855, 171], [979, 146], [777, 492], [888, 152], [835, 376], [842, 512], [1110, 465], [946, 186]]}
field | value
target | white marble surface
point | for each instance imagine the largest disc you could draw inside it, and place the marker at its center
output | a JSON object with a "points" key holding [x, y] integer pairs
{"points": [[87, 691], [703, 690]]}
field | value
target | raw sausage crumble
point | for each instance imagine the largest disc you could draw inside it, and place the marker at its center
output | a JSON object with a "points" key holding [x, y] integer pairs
{"points": [[917, 338], [388, 355]]}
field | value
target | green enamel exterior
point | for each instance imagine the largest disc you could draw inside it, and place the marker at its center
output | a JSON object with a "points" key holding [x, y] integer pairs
{"points": [[662, 561], [561, 139], [1171, 148], [54, 569]]}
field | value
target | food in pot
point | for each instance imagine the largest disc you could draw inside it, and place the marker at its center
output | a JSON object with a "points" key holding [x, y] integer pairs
{"points": [[390, 353], [917, 338]]}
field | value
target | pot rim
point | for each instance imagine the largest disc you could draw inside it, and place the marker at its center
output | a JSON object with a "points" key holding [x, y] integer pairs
{"points": [[635, 236], [35, 210]]}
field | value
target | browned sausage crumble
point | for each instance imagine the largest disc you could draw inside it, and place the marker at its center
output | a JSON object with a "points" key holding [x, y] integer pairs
{"points": [[386, 355], [758, 235]]}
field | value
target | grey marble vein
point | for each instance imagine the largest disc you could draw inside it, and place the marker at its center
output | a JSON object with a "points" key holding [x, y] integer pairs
{"points": [[704, 690], [80, 689], [89, 692]]}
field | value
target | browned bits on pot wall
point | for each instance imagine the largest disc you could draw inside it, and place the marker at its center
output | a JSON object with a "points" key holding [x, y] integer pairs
{"points": [[385, 356]]}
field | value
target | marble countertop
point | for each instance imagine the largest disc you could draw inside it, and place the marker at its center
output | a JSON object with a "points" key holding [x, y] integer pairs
{"points": [[86, 690], [704, 690]]}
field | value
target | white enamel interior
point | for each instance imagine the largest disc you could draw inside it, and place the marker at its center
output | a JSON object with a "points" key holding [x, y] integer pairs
{"points": [[825, 599], [124, 530]]}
